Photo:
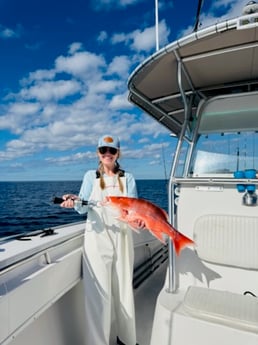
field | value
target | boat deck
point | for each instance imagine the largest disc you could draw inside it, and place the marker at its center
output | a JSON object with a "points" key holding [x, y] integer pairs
{"points": [[145, 302]]}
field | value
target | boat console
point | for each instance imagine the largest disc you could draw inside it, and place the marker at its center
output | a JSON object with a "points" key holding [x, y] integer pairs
{"points": [[204, 89]]}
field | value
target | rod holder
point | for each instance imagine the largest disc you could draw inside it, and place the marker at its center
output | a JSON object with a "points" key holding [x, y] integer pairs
{"points": [[250, 198]]}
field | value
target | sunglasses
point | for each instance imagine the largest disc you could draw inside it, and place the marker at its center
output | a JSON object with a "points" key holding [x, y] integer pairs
{"points": [[105, 149]]}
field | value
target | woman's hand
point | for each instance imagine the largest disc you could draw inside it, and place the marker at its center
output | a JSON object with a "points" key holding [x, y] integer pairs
{"points": [[69, 200]]}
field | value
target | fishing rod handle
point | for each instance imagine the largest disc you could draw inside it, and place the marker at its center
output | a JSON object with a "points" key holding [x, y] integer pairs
{"points": [[58, 200]]}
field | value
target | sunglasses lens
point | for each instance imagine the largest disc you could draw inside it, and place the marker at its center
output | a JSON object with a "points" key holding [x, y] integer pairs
{"points": [[105, 149], [102, 150], [112, 150]]}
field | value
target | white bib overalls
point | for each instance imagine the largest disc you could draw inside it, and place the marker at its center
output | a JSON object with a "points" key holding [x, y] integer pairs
{"points": [[107, 272]]}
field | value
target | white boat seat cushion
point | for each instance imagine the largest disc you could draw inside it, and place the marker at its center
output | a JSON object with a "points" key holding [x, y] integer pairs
{"points": [[222, 307], [228, 240]]}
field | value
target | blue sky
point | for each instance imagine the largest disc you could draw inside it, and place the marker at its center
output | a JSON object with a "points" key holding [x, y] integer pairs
{"points": [[64, 71]]}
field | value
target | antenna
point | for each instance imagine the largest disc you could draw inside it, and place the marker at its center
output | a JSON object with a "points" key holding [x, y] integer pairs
{"points": [[164, 162], [157, 24], [197, 20]]}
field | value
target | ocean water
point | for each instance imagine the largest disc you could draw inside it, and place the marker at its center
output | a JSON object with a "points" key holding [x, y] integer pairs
{"points": [[27, 206]]}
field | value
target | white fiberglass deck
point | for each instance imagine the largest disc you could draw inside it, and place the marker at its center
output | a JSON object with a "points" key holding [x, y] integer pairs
{"points": [[145, 303]]}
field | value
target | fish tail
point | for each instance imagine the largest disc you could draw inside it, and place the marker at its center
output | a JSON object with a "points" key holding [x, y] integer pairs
{"points": [[181, 241]]}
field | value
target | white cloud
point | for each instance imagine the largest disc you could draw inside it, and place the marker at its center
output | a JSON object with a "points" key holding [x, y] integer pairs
{"points": [[120, 102], [119, 38], [119, 65], [51, 90], [77, 157], [16, 149], [7, 33], [18, 116], [111, 4], [41, 74], [102, 36], [62, 114], [106, 86], [143, 40], [75, 47], [80, 64], [23, 108]]}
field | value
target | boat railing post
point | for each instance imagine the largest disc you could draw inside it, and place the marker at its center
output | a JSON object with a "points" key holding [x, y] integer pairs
{"points": [[171, 250], [172, 287]]}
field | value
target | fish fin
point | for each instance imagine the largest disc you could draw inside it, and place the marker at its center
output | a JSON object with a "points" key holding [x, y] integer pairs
{"points": [[180, 241], [133, 225], [122, 219]]}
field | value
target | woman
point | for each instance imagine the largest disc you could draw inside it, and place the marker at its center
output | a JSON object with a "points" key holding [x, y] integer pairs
{"points": [[108, 251]]}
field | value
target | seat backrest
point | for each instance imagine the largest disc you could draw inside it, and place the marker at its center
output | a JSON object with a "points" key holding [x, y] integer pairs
{"points": [[225, 232], [228, 240]]}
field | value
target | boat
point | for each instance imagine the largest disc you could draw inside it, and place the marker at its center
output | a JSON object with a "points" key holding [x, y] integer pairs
{"points": [[204, 89], [41, 289]]}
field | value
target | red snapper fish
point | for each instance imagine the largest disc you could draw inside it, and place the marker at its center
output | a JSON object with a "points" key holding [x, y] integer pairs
{"points": [[154, 218]]}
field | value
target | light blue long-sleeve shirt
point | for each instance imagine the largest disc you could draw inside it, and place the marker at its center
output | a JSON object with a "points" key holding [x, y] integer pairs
{"points": [[87, 185]]}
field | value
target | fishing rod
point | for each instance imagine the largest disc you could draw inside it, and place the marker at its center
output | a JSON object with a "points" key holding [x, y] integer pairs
{"points": [[58, 200]]}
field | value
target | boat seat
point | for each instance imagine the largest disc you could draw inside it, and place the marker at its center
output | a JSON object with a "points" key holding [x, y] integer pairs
{"points": [[216, 312], [223, 307], [205, 316], [228, 240]]}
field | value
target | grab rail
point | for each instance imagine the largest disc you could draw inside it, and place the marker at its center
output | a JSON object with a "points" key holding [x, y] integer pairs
{"points": [[212, 180]]}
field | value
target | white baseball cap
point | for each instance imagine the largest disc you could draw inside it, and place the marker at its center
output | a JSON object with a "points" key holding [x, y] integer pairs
{"points": [[109, 141]]}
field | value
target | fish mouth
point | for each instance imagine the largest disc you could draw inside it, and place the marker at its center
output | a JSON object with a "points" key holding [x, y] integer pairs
{"points": [[109, 199]]}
